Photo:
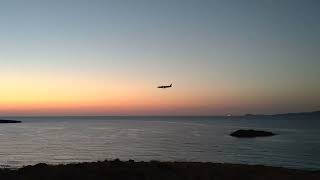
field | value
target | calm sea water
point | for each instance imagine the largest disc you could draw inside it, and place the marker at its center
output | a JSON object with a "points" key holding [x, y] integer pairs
{"points": [[76, 139]]}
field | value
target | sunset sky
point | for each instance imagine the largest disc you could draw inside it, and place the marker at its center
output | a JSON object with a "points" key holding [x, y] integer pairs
{"points": [[106, 57]]}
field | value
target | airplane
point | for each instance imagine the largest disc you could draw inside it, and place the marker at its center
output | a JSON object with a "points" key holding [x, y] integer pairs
{"points": [[163, 87]]}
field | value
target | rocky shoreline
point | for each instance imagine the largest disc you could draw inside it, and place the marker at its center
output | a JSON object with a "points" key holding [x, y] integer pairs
{"points": [[155, 170]]}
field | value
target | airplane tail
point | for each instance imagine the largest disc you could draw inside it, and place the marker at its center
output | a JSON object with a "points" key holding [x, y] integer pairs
{"points": [[170, 85]]}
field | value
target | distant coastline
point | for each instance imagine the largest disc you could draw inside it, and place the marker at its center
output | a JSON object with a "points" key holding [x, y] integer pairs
{"points": [[304, 115]]}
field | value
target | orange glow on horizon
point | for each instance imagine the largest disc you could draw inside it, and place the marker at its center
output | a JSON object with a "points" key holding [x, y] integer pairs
{"points": [[45, 95]]}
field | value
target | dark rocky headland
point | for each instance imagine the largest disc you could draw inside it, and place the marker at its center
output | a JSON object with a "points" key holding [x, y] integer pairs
{"points": [[154, 170], [9, 121]]}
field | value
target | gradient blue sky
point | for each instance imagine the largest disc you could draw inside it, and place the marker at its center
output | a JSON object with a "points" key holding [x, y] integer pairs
{"points": [[106, 57]]}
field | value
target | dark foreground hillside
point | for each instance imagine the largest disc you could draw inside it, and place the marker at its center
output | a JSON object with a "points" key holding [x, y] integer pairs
{"points": [[155, 171]]}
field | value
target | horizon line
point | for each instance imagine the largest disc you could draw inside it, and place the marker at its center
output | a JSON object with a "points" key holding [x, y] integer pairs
{"points": [[165, 115]]}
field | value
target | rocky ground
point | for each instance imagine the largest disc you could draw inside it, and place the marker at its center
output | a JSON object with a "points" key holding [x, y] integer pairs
{"points": [[155, 170]]}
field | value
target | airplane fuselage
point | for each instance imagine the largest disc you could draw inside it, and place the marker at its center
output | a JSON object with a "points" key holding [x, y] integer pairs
{"points": [[163, 87]]}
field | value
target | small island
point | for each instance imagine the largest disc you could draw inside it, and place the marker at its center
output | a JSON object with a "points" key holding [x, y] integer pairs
{"points": [[9, 121], [251, 133]]}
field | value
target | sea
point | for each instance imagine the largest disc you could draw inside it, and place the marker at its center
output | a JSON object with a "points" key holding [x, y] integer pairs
{"points": [[61, 140]]}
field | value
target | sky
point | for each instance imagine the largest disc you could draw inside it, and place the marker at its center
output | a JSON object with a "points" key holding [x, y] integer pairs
{"points": [[106, 57]]}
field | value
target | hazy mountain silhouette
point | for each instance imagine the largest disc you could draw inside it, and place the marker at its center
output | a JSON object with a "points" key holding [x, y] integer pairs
{"points": [[300, 115]]}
